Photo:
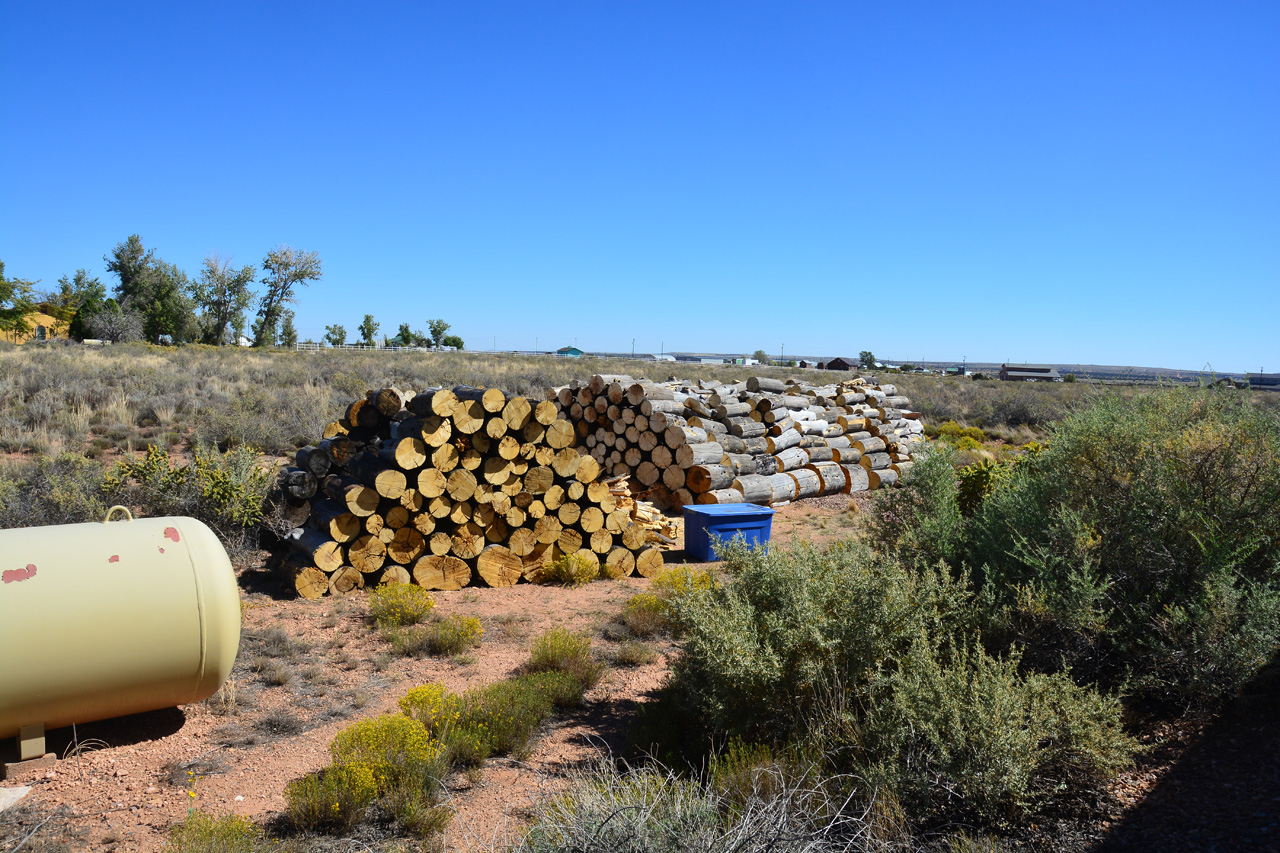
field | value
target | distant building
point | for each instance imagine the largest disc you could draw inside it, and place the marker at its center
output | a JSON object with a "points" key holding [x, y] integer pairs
{"points": [[569, 352], [839, 364], [1029, 373], [38, 326], [699, 357], [638, 356], [804, 363], [1269, 381]]}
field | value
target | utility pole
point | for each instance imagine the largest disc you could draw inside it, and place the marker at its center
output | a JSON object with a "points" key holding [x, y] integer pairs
{"points": [[633, 347], [783, 357]]}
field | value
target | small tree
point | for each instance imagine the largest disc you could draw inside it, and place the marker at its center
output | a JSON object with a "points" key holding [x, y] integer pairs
{"points": [[368, 330], [15, 304], [335, 335], [866, 360], [82, 295], [404, 337], [116, 323], [439, 328], [288, 332], [761, 356], [453, 341]]}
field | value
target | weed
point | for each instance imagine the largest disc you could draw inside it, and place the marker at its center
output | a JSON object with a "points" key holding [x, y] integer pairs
{"points": [[632, 653], [565, 651], [571, 570], [200, 832], [274, 673], [282, 723], [645, 614]]}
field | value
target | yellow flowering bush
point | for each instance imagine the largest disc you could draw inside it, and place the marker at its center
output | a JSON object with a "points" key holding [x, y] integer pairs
{"points": [[433, 706], [396, 605]]}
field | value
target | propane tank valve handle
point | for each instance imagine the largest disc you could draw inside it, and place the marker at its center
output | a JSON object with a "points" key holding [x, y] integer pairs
{"points": [[124, 509]]}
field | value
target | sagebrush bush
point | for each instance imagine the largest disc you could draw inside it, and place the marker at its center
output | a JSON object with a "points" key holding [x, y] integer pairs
{"points": [[398, 605], [838, 650], [1149, 527], [648, 808], [67, 489], [448, 635], [921, 522]]}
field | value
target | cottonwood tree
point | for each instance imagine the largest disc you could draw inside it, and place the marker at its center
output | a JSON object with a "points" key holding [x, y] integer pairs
{"points": [[286, 268], [223, 296], [453, 341], [866, 360], [438, 330], [761, 356], [368, 329], [335, 335]]}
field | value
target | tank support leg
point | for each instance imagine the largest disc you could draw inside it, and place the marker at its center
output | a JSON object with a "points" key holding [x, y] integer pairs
{"points": [[31, 742]]}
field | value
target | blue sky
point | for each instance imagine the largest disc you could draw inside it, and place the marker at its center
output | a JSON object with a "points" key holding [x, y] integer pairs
{"points": [[1064, 182]]}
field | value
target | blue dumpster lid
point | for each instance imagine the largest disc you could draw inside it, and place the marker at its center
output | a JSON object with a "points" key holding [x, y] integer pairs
{"points": [[728, 509]]}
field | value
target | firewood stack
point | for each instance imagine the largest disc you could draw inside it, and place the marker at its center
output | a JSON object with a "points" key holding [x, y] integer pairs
{"points": [[450, 487], [761, 441]]}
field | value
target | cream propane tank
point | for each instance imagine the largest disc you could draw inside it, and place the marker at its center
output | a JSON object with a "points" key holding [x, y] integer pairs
{"points": [[103, 620]]}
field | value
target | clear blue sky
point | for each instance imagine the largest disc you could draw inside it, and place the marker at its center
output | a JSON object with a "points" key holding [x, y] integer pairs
{"points": [[1063, 182]]}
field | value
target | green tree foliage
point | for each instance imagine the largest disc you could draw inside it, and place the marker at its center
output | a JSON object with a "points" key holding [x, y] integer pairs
{"points": [[368, 330], [83, 296], [286, 268], [404, 337], [453, 341], [438, 329], [761, 356], [15, 304], [288, 332], [335, 335], [156, 290], [222, 296], [866, 360]]}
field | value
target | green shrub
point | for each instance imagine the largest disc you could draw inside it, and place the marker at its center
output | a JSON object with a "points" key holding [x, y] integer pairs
{"points": [[67, 489], [505, 715], [564, 689], [632, 653], [849, 653], [960, 731], [397, 605], [1146, 534], [565, 651], [571, 570], [225, 491], [392, 759], [449, 635], [332, 800], [200, 832], [923, 520]]}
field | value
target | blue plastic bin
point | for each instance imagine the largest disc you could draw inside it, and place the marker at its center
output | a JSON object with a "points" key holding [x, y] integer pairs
{"points": [[704, 523]]}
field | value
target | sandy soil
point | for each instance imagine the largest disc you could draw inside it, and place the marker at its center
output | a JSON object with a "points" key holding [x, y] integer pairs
{"points": [[133, 777]]}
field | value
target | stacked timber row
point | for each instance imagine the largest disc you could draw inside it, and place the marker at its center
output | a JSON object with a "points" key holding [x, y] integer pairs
{"points": [[761, 441], [450, 487]]}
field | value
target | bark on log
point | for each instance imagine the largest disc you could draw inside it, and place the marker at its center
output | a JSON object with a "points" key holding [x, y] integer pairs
{"points": [[314, 460], [857, 479], [791, 459], [766, 383], [882, 478], [807, 483], [706, 478], [783, 487], [708, 453], [779, 443], [318, 548], [875, 461], [755, 488], [721, 496], [335, 520]]}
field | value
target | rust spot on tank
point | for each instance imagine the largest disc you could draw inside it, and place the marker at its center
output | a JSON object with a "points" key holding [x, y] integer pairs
{"points": [[15, 575], [171, 533], [114, 558]]}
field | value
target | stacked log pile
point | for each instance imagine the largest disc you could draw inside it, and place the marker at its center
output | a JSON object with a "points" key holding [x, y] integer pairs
{"points": [[761, 441], [450, 487]]}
